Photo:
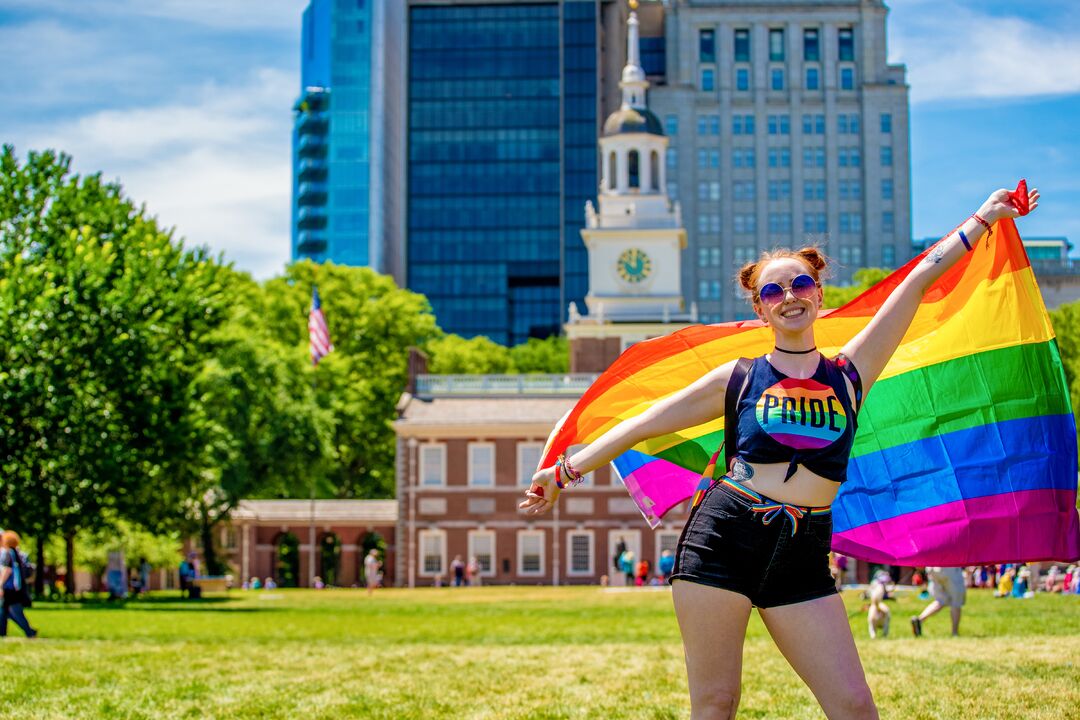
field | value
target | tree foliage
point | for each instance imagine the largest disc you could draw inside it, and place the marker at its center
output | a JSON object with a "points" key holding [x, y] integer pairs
{"points": [[101, 331], [865, 278]]}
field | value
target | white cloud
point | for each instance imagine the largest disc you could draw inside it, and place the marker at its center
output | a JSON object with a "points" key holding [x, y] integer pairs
{"points": [[217, 168], [953, 52], [230, 14]]}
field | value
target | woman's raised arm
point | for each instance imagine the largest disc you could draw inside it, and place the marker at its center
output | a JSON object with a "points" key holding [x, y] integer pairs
{"points": [[695, 404], [871, 349]]}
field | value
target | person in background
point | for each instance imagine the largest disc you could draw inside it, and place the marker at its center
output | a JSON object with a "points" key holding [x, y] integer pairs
{"points": [[949, 590], [14, 573], [187, 574], [144, 574], [371, 570], [666, 564], [472, 572], [269, 584], [457, 569]]}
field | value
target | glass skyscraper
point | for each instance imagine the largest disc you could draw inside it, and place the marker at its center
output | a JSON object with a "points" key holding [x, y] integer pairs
{"points": [[340, 156], [502, 105]]}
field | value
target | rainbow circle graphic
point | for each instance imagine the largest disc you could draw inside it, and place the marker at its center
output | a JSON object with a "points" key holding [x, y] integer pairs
{"points": [[802, 414]]}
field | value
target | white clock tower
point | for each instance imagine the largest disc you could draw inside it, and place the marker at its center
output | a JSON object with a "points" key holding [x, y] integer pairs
{"points": [[635, 240]]}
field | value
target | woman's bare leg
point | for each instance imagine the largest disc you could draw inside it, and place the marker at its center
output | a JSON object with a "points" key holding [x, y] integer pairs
{"points": [[816, 639], [713, 624]]}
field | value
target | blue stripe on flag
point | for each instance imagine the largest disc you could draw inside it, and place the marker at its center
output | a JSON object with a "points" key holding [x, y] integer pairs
{"points": [[1026, 454]]}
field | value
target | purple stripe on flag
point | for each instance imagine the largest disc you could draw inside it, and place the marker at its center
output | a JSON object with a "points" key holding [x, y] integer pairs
{"points": [[658, 486], [1023, 526]]}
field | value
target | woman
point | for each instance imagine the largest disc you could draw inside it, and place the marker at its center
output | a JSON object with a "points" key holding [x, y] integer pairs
{"points": [[13, 580], [760, 535]]}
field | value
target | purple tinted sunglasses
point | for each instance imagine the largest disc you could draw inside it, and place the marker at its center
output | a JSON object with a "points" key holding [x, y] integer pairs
{"points": [[802, 287]]}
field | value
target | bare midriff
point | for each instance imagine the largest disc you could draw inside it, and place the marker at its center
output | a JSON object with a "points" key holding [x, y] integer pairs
{"points": [[804, 488]]}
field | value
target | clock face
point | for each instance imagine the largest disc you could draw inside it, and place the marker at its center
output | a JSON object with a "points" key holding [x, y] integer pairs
{"points": [[634, 265]]}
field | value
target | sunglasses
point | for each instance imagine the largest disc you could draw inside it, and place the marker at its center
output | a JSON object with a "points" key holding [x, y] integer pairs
{"points": [[802, 287]]}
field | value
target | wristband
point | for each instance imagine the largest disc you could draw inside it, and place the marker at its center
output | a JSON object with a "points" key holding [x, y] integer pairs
{"points": [[989, 230], [963, 239], [558, 471], [573, 475]]}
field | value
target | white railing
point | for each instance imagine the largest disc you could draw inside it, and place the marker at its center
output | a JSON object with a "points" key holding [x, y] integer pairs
{"points": [[569, 384]]}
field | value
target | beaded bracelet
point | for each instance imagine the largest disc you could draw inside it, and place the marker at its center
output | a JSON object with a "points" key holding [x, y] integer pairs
{"points": [[558, 471], [963, 239], [574, 475], [989, 230]]}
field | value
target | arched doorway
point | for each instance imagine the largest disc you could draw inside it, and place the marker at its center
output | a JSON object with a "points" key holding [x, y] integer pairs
{"points": [[287, 565], [329, 558], [369, 541]]}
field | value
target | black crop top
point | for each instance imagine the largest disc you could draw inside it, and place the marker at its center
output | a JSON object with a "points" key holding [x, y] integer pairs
{"points": [[809, 422]]}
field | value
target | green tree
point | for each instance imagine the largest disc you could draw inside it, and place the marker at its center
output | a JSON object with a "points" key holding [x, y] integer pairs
{"points": [[102, 319], [256, 427], [865, 278], [372, 324], [551, 355], [455, 355]]}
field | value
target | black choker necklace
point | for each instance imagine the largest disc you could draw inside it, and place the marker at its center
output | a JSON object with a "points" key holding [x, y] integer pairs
{"points": [[795, 352]]}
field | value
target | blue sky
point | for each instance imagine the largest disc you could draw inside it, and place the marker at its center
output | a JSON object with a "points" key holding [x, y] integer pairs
{"points": [[187, 102]]}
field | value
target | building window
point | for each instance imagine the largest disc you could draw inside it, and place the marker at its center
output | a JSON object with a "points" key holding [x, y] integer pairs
{"points": [[743, 255], [745, 223], [579, 553], [743, 189], [779, 189], [850, 189], [481, 464], [779, 223], [813, 190], [886, 156], [714, 190], [850, 223], [847, 78], [742, 45], [813, 124], [777, 79], [813, 78], [432, 548], [779, 125], [432, 465], [528, 461], [706, 80], [743, 157], [742, 79], [779, 157], [850, 255], [482, 547], [714, 289], [714, 254], [776, 44], [886, 189], [742, 124], [888, 222], [708, 124], [703, 290], [886, 123], [846, 45], [815, 223], [672, 189], [671, 125], [530, 553], [703, 256], [811, 46], [888, 256], [706, 46], [672, 157]]}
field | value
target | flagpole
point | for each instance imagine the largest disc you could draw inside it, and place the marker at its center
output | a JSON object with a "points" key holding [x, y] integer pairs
{"points": [[319, 338]]}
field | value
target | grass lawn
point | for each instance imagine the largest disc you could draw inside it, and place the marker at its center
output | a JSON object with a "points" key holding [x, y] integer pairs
{"points": [[479, 653]]}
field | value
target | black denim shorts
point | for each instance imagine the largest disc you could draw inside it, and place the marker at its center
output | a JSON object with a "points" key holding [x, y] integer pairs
{"points": [[773, 553]]}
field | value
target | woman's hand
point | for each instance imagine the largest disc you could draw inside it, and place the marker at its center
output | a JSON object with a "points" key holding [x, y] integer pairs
{"points": [[542, 493], [999, 205]]}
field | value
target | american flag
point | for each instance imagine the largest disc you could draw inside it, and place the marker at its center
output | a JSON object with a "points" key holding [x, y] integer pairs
{"points": [[318, 330]]}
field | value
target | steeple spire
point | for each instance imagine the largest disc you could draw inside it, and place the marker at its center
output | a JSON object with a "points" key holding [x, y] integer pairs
{"points": [[633, 82]]}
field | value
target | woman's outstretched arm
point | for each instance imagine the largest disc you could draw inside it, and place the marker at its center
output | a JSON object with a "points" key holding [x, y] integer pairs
{"points": [[871, 349], [695, 404]]}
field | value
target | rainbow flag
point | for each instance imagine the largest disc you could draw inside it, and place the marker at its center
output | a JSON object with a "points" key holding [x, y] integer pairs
{"points": [[966, 451]]}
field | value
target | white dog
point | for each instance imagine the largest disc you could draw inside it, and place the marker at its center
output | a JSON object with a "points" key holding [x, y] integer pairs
{"points": [[878, 616]]}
